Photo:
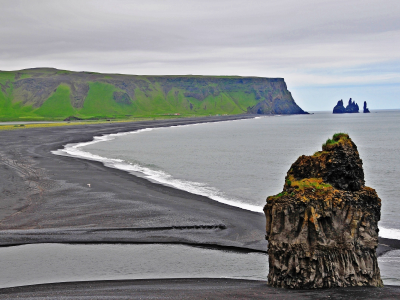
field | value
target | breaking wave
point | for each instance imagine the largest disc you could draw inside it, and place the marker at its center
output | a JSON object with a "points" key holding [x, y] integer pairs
{"points": [[158, 176]]}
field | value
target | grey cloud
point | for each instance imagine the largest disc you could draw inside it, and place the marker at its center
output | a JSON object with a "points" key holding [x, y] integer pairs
{"points": [[171, 25], [215, 37]]}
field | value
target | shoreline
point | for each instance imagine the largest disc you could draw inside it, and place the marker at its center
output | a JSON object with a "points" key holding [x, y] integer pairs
{"points": [[199, 288], [74, 150], [34, 213], [87, 133], [59, 207]]}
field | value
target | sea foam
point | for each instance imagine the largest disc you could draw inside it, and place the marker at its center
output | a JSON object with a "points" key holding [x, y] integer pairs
{"points": [[164, 178], [389, 233], [156, 176]]}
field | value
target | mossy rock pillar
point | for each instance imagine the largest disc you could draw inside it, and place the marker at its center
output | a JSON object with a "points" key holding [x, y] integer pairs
{"points": [[322, 230]]}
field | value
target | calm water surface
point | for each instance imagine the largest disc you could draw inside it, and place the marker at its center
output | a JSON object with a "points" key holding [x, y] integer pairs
{"points": [[47, 263]]}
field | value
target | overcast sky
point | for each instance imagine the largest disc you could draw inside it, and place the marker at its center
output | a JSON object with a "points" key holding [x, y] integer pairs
{"points": [[325, 50]]}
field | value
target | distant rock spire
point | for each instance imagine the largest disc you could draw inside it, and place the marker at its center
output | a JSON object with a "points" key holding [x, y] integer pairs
{"points": [[365, 110], [339, 108], [352, 107]]}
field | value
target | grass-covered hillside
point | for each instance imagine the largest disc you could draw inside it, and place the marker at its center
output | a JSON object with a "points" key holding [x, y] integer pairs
{"points": [[51, 94]]}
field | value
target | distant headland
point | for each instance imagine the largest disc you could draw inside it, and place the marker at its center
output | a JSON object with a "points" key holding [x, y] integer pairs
{"points": [[52, 94], [352, 107]]}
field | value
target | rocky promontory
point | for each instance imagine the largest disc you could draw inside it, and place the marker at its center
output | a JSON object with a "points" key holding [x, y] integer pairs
{"points": [[46, 93], [322, 229]]}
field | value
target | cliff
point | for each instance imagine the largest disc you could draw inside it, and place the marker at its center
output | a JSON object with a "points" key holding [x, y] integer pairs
{"points": [[352, 107], [322, 230], [50, 93]]}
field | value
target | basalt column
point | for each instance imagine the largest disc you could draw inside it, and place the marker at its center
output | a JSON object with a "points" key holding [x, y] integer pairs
{"points": [[322, 230]]}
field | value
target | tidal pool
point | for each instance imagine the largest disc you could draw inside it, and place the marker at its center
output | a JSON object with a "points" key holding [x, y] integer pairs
{"points": [[47, 263], [389, 264]]}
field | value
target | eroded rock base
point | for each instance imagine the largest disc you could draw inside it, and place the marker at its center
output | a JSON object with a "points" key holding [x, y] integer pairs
{"points": [[324, 269]]}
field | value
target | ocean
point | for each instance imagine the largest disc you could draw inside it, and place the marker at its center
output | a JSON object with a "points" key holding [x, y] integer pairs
{"points": [[242, 162]]}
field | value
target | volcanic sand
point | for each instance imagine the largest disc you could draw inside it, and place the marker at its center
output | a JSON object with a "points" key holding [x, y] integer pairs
{"points": [[46, 198]]}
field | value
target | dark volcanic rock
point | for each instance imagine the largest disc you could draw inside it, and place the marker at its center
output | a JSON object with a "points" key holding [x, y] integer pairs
{"points": [[277, 106], [339, 108], [352, 107], [275, 103], [323, 228], [72, 118], [365, 109], [341, 168]]}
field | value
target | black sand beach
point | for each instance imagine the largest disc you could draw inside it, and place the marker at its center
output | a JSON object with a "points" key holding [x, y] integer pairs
{"points": [[45, 198], [189, 289]]}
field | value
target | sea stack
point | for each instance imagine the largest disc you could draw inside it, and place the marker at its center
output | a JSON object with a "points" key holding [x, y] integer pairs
{"points": [[339, 108], [322, 229], [365, 109], [352, 107]]}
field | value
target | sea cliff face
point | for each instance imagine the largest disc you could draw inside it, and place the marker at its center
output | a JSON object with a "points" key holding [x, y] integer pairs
{"points": [[52, 93], [322, 230]]}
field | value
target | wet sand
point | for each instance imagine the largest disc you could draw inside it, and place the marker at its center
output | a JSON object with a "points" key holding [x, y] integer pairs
{"points": [[49, 200], [46, 198], [189, 289]]}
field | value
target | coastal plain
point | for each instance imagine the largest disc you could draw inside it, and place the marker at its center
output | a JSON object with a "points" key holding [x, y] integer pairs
{"points": [[47, 198]]}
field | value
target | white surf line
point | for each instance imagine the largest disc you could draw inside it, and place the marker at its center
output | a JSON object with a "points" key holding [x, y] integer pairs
{"points": [[152, 175], [389, 233], [166, 179]]}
